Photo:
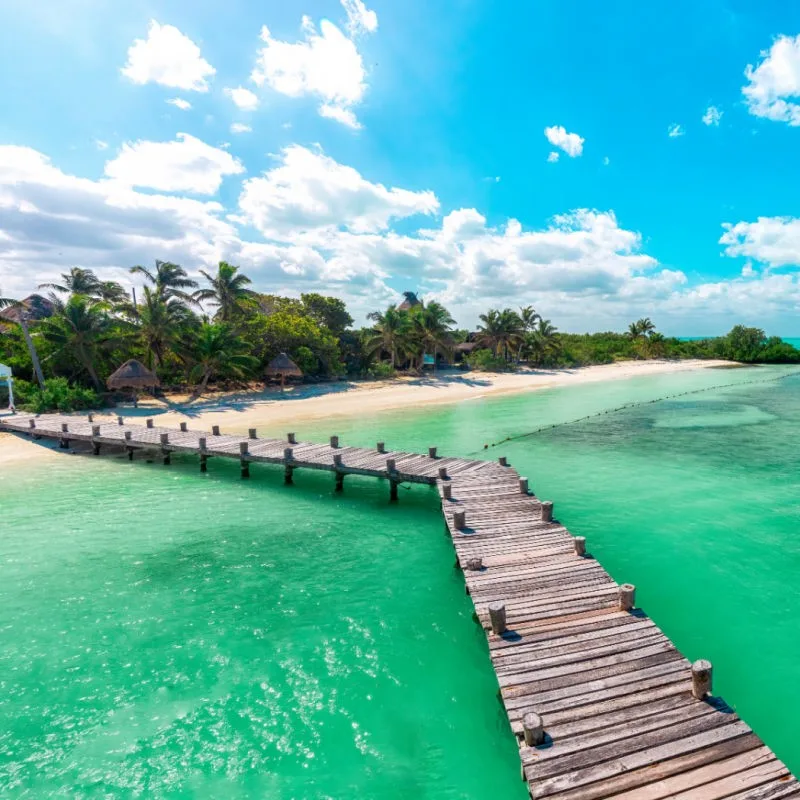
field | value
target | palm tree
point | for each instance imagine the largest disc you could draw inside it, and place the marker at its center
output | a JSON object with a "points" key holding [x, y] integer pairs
{"points": [[529, 318], [432, 323], [218, 351], [77, 281], [159, 323], [7, 302], [543, 341], [656, 344], [170, 280], [80, 329], [228, 291], [639, 331], [502, 331], [390, 334]]}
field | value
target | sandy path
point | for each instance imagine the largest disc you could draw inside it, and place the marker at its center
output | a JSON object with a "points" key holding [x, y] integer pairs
{"points": [[237, 413]]}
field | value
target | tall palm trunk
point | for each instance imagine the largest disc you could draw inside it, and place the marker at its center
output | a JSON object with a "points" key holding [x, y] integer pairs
{"points": [[87, 363], [37, 367]]}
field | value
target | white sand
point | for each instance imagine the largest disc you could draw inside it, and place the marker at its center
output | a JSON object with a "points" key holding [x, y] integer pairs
{"points": [[238, 412]]}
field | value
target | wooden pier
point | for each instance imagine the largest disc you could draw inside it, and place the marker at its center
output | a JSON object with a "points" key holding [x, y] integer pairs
{"points": [[602, 703]]}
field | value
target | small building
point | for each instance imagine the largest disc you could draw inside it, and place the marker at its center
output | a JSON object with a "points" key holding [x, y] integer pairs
{"points": [[7, 378]]}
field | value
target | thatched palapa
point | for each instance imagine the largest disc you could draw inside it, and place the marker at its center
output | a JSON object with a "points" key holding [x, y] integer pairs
{"points": [[282, 366], [133, 375]]}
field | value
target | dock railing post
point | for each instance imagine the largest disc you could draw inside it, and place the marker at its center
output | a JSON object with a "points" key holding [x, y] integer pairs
{"points": [[164, 437], [447, 491], [460, 520], [523, 486], [337, 462], [252, 433], [244, 450], [432, 452], [215, 430], [702, 673], [90, 417], [532, 729], [334, 442], [497, 617], [288, 457], [149, 423], [391, 469], [580, 545], [627, 596], [128, 436], [502, 461], [547, 511], [95, 445], [64, 441], [443, 474], [381, 447], [201, 443], [184, 427], [290, 437], [120, 421]]}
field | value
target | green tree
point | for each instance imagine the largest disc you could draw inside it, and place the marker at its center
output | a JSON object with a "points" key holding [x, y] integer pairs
{"points": [[744, 344], [77, 281], [543, 343], [169, 281], [217, 351], [22, 319], [330, 312], [502, 331], [159, 323], [228, 291], [432, 324], [390, 334]]}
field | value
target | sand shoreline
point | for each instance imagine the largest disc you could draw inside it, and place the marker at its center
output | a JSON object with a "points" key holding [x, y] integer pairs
{"points": [[267, 410]]}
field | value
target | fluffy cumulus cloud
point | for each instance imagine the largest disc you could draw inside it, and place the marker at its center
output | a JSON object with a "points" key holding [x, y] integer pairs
{"points": [[184, 165], [712, 116], [360, 19], [774, 84], [243, 98], [773, 241], [570, 143], [308, 191], [326, 65], [168, 57], [675, 130]]}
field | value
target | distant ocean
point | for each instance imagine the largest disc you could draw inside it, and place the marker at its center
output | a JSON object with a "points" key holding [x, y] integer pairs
{"points": [[792, 340]]}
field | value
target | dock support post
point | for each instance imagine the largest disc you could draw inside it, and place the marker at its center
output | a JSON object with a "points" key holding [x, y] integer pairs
{"points": [[497, 618], [443, 476], [291, 438], [393, 491], [95, 445], [90, 417], [381, 447], [64, 442], [243, 462], [120, 421], [149, 423], [184, 427], [533, 729], [252, 433], [128, 435], [475, 564], [627, 596], [164, 437], [447, 491], [337, 460], [201, 441], [580, 545], [431, 452], [523, 486], [701, 678], [547, 511], [215, 430], [460, 520], [288, 457], [502, 461], [334, 442]]}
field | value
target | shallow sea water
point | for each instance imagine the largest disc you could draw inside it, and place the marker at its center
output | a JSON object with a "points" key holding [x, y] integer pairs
{"points": [[168, 634]]}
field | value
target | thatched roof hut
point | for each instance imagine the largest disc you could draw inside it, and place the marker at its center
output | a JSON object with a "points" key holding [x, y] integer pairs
{"points": [[282, 366], [132, 375], [34, 307], [411, 300]]}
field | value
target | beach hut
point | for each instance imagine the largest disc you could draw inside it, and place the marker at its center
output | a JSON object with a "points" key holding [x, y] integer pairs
{"points": [[7, 378], [282, 366], [133, 375]]}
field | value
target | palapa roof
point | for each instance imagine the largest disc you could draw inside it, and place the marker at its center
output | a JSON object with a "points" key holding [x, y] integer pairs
{"points": [[132, 375], [35, 307], [410, 301], [283, 365]]}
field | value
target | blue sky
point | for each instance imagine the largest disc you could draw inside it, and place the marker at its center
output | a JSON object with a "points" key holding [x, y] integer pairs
{"points": [[385, 146]]}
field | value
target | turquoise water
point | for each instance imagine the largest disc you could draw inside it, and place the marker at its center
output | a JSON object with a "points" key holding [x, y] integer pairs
{"points": [[167, 634]]}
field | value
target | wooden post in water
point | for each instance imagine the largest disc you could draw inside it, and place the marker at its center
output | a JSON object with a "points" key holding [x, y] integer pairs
{"points": [[334, 442], [580, 545], [149, 423], [243, 462], [443, 474], [497, 617], [252, 433], [95, 445], [128, 436], [460, 520], [184, 427], [547, 511], [164, 437], [627, 596], [502, 461], [64, 441], [533, 729], [215, 430], [447, 491], [201, 443], [523, 486], [337, 460], [288, 457], [290, 437], [381, 447], [391, 469], [701, 678], [431, 452]]}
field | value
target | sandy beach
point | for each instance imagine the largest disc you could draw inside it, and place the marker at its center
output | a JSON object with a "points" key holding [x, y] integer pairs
{"points": [[236, 412]]}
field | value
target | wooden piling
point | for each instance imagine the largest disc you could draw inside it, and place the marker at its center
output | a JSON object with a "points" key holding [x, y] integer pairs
{"points": [[431, 452], [120, 421], [149, 423], [31, 423], [128, 435], [547, 511], [288, 470], [390, 465], [702, 673], [523, 486], [532, 729], [290, 437], [90, 417], [497, 617], [393, 491], [184, 427], [442, 473], [201, 443], [334, 441], [627, 596], [215, 430], [252, 433], [381, 447], [63, 442], [580, 545], [502, 461], [460, 520], [167, 455], [475, 564], [244, 464], [447, 491]]}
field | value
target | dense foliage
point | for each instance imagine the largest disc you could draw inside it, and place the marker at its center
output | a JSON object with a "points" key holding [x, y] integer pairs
{"points": [[93, 326]]}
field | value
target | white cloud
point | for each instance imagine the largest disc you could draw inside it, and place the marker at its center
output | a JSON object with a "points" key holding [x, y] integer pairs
{"points": [[100, 144], [168, 57], [308, 191], [606, 161], [243, 98], [239, 127], [774, 241], [326, 65], [552, 156], [570, 143], [360, 19], [712, 116], [179, 102], [775, 82], [675, 130], [185, 165]]}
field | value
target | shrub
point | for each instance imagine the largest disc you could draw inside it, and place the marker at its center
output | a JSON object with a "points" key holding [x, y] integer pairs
{"points": [[381, 370], [58, 395], [486, 361]]}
